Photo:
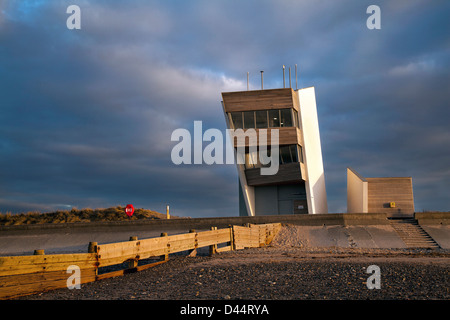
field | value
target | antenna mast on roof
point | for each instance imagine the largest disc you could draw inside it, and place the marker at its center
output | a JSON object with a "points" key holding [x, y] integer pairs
{"points": [[247, 82], [290, 85], [262, 80]]}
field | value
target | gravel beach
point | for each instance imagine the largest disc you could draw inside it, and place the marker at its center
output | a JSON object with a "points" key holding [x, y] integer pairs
{"points": [[278, 273], [285, 270]]}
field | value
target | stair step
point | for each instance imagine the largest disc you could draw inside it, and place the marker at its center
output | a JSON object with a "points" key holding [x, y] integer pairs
{"points": [[413, 242], [412, 233], [420, 243]]}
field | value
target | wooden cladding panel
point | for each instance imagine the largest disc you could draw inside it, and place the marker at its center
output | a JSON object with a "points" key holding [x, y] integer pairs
{"points": [[286, 136], [181, 242], [153, 247], [245, 237], [23, 284], [267, 232], [224, 249], [207, 238], [39, 263], [22, 275], [259, 100], [382, 191], [289, 172], [255, 236], [115, 253]]}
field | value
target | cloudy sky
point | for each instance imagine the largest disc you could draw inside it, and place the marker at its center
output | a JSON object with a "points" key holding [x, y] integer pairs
{"points": [[86, 116]]}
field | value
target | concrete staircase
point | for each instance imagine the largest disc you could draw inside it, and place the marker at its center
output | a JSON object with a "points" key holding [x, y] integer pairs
{"points": [[412, 233]]}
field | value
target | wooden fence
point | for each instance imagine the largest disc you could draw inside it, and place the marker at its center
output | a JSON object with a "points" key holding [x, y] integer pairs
{"points": [[23, 275]]}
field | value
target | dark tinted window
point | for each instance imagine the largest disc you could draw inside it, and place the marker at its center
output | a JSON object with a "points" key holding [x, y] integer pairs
{"points": [[261, 119], [286, 118], [274, 118], [236, 119], [249, 119]]}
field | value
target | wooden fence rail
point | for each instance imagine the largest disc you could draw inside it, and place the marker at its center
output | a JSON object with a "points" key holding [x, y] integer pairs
{"points": [[23, 275]]}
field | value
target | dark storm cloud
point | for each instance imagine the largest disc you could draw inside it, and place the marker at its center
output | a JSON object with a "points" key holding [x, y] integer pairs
{"points": [[86, 115]]}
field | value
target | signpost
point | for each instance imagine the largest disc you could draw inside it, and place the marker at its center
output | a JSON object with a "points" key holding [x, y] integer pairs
{"points": [[129, 210]]}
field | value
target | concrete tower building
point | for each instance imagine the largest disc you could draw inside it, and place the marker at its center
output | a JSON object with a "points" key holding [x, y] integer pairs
{"points": [[298, 187]]}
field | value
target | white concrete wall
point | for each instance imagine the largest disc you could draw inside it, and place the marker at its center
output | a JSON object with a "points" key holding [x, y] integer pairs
{"points": [[248, 192], [357, 193], [312, 152]]}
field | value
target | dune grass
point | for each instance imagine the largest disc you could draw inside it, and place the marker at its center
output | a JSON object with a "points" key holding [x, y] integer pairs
{"points": [[75, 215]]}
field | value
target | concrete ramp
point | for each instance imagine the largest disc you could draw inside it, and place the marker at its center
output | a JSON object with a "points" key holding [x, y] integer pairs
{"points": [[437, 225], [440, 234], [383, 236]]}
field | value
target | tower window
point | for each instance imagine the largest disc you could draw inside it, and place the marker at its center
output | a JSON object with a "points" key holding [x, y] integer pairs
{"points": [[287, 154], [261, 119], [236, 119], [249, 119], [274, 118], [286, 117]]}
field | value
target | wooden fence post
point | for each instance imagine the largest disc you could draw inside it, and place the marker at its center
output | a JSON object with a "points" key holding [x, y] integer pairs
{"points": [[213, 247], [231, 238], [92, 247], [193, 252], [133, 263], [164, 257]]}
